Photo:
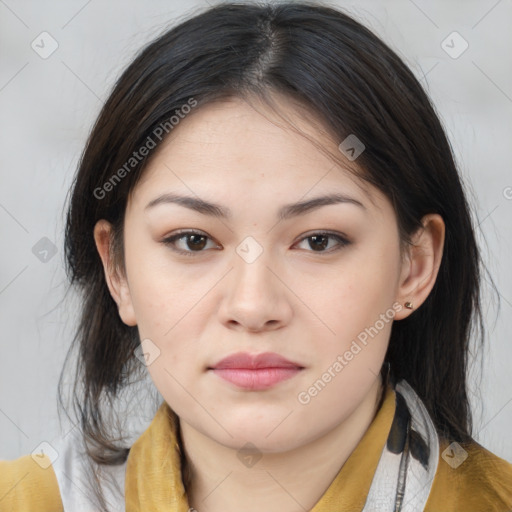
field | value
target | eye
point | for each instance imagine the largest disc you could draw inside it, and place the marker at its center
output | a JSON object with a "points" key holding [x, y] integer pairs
{"points": [[196, 241], [320, 240]]}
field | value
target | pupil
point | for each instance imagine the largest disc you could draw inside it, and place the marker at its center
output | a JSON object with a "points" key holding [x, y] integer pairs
{"points": [[192, 238], [315, 239]]}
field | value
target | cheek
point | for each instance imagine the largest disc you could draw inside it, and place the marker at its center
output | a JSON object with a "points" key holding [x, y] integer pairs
{"points": [[353, 297], [169, 310], [161, 293], [357, 307]]}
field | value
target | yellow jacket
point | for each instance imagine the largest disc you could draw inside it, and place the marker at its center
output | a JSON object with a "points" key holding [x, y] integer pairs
{"points": [[482, 483]]}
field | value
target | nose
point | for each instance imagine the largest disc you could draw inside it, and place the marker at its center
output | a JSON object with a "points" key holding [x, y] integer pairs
{"points": [[255, 298]]}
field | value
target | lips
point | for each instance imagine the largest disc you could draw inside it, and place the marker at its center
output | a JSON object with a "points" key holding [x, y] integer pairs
{"points": [[243, 360], [255, 372]]}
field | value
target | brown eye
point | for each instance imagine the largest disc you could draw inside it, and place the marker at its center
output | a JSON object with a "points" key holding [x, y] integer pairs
{"points": [[196, 241], [191, 242], [318, 242]]}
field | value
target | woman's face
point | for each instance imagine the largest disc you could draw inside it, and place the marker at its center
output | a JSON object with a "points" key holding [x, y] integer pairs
{"points": [[258, 276]]}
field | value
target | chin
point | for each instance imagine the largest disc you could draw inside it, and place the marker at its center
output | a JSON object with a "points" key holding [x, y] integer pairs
{"points": [[267, 437]]}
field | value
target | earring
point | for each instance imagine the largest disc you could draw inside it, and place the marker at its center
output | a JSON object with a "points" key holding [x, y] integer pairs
{"points": [[408, 305]]}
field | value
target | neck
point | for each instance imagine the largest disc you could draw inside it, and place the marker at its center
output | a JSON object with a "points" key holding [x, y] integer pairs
{"points": [[284, 482]]}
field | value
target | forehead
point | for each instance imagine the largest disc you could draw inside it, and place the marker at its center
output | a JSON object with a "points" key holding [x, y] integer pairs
{"points": [[232, 144]]}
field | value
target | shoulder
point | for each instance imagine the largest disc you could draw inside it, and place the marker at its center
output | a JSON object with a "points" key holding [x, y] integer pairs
{"points": [[64, 482], [27, 484], [470, 478]]}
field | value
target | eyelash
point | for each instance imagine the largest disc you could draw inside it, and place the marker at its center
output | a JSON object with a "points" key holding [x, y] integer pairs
{"points": [[169, 241]]}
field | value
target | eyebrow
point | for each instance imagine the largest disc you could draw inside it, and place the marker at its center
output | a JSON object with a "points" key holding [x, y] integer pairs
{"points": [[285, 212]]}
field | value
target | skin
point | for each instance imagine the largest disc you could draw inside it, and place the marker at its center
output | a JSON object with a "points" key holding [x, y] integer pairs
{"points": [[307, 305]]}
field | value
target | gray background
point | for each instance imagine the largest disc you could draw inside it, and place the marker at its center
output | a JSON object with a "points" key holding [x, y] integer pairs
{"points": [[48, 107]]}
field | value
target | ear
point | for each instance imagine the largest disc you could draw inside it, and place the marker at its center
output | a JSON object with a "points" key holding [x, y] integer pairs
{"points": [[116, 283], [421, 264]]}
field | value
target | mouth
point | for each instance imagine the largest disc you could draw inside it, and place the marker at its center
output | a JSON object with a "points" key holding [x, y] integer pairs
{"points": [[258, 379], [255, 372]]}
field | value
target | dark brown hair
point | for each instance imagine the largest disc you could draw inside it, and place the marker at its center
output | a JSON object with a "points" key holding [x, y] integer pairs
{"points": [[355, 84]]}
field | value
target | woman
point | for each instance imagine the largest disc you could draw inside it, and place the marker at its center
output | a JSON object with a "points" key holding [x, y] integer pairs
{"points": [[268, 216]]}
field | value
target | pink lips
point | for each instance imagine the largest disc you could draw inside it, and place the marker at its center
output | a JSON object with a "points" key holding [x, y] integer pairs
{"points": [[257, 372]]}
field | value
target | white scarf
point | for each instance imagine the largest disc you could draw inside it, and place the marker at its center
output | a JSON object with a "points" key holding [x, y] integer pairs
{"points": [[405, 473]]}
